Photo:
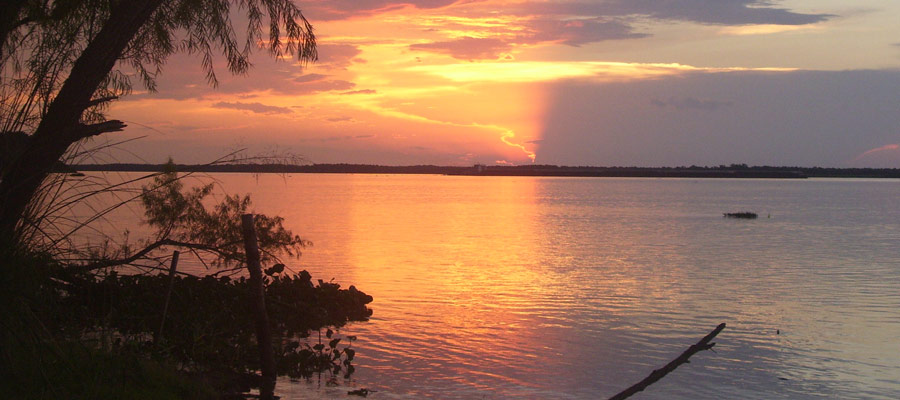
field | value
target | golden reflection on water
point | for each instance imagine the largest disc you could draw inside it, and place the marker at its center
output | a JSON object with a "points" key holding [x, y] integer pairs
{"points": [[484, 280], [450, 265], [548, 287]]}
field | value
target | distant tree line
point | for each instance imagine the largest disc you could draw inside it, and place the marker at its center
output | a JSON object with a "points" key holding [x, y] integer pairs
{"points": [[693, 171]]}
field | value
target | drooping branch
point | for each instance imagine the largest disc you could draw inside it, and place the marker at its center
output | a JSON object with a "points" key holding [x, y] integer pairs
{"points": [[658, 374]]}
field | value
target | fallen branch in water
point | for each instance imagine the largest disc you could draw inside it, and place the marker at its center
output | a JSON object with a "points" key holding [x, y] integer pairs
{"points": [[658, 374]]}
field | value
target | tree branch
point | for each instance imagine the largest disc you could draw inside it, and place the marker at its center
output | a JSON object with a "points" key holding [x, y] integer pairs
{"points": [[101, 100], [658, 374], [146, 250], [83, 131]]}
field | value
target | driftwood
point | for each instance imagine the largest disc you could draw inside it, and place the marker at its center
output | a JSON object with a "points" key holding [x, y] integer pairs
{"points": [[258, 304], [742, 214], [658, 374]]}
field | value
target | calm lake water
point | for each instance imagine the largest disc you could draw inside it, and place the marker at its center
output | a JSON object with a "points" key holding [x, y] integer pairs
{"points": [[575, 288]]}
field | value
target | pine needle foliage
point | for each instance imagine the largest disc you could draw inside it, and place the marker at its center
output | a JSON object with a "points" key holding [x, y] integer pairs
{"points": [[180, 215]]}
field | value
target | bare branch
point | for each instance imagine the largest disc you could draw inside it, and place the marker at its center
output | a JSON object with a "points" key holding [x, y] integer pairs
{"points": [[658, 374], [147, 250]]}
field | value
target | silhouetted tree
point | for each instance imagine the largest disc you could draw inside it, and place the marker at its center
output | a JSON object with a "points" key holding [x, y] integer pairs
{"points": [[63, 61], [182, 221]]}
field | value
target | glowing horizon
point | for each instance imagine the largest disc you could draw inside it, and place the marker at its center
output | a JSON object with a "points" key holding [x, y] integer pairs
{"points": [[452, 82]]}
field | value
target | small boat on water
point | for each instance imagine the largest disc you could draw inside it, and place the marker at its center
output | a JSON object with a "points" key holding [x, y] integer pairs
{"points": [[742, 214]]}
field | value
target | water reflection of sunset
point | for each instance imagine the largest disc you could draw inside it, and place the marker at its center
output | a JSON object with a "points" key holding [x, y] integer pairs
{"points": [[474, 302], [532, 287]]}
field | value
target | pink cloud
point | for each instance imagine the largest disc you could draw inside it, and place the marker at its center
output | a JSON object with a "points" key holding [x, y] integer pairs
{"points": [[338, 56], [361, 91], [536, 31], [310, 78], [329, 10], [724, 12], [320, 86], [184, 79], [257, 108], [466, 48], [887, 147], [576, 23], [580, 31]]}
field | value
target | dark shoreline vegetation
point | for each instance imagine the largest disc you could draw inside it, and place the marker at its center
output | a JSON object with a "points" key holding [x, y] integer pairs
{"points": [[119, 320], [79, 336], [722, 171]]}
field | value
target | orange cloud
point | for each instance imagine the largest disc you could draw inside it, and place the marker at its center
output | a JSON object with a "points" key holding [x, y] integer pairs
{"points": [[451, 79]]}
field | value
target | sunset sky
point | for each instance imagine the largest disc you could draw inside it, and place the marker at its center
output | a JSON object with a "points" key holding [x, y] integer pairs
{"points": [[601, 82]]}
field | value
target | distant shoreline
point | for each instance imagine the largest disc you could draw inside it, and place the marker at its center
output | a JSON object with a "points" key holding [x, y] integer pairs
{"points": [[731, 171]]}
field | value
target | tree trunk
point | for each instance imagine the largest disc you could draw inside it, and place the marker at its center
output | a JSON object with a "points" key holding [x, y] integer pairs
{"points": [[60, 126], [162, 321], [258, 307]]}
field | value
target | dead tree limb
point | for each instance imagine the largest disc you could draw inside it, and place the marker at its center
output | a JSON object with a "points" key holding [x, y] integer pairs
{"points": [[658, 374], [258, 306]]}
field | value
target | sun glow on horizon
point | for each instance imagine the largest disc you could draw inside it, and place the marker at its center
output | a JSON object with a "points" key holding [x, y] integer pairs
{"points": [[766, 29], [543, 71], [455, 82]]}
